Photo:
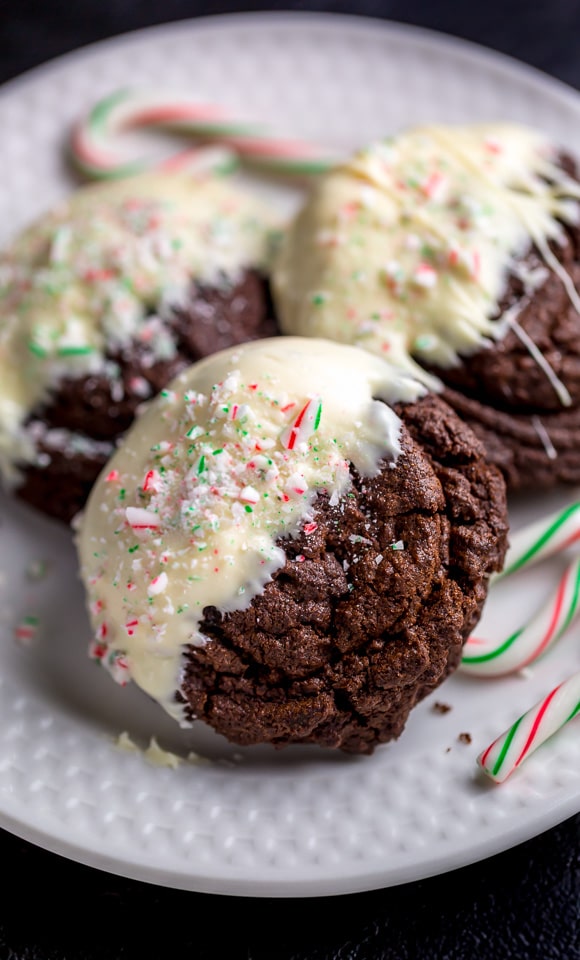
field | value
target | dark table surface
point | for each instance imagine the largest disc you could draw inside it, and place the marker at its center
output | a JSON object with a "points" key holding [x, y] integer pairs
{"points": [[524, 903]]}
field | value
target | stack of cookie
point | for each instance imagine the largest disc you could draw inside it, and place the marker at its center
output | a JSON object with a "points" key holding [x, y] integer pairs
{"points": [[295, 539], [455, 253], [102, 302]]}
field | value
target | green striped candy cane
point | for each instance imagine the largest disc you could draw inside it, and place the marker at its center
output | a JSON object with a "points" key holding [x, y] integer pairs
{"points": [[531, 730], [542, 539], [493, 658], [94, 141]]}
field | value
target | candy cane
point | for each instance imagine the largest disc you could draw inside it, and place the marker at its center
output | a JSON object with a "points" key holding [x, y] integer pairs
{"points": [[548, 716], [494, 658], [92, 141], [542, 539]]}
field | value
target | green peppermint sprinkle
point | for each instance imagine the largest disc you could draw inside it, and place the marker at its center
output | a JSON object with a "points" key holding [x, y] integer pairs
{"points": [[37, 350], [80, 351], [318, 416]]}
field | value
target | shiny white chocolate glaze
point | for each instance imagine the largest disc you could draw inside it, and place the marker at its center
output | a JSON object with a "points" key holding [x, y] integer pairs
{"points": [[88, 276], [405, 250], [229, 459]]}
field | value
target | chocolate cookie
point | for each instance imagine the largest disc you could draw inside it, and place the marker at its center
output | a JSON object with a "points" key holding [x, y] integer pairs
{"points": [[310, 581], [456, 249], [105, 300], [530, 428]]}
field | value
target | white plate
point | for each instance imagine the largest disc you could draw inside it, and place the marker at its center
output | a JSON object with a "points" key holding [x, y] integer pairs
{"points": [[301, 822]]}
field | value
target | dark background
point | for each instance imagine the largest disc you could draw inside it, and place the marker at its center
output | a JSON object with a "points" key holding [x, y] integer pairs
{"points": [[521, 905], [545, 33]]}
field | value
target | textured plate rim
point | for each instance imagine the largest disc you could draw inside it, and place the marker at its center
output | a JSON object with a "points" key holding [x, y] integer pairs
{"points": [[556, 810]]}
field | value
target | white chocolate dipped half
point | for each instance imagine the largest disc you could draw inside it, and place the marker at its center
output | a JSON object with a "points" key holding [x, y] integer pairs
{"points": [[190, 511], [405, 249], [92, 276]]}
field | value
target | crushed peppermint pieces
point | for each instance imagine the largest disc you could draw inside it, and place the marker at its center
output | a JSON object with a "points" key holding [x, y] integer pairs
{"points": [[26, 630], [106, 269], [194, 504], [113, 661], [420, 231]]}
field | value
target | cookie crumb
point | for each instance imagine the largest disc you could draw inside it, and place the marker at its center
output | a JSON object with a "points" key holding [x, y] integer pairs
{"points": [[464, 738], [439, 707]]}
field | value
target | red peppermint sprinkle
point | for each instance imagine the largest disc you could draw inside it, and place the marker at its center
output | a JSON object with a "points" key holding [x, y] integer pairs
{"points": [[140, 519], [349, 210], [96, 276], [150, 481], [431, 184], [493, 146], [293, 435], [249, 495]]}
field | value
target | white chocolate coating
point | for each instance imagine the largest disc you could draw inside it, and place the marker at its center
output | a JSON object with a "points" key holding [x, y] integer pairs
{"points": [[405, 249], [227, 460], [85, 276]]}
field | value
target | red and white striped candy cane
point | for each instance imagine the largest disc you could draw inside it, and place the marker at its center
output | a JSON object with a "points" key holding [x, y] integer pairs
{"points": [[542, 539], [532, 729], [494, 658], [95, 152]]}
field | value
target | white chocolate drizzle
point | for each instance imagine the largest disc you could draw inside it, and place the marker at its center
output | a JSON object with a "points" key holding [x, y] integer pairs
{"points": [[406, 249], [544, 437], [99, 271], [229, 459]]}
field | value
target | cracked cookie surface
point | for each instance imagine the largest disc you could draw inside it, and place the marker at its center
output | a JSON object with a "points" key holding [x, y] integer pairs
{"points": [[370, 611]]}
